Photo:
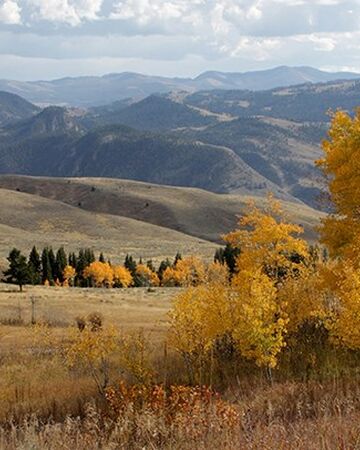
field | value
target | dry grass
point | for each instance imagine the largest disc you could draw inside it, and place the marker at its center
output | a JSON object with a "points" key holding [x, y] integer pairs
{"points": [[127, 309], [192, 211], [56, 408], [28, 219]]}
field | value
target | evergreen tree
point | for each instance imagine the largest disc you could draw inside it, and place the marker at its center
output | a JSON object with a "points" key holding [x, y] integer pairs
{"points": [[150, 265], [228, 256], [61, 262], [52, 261], [101, 257], [73, 260], [81, 264], [47, 273], [18, 272], [163, 266], [131, 265], [177, 258], [34, 266]]}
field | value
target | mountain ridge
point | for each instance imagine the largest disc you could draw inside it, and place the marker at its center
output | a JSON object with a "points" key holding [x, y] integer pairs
{"points": [[99, 90]]}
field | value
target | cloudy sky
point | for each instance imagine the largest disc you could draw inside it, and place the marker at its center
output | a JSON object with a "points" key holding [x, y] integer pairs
{"points": [[42, 39]]}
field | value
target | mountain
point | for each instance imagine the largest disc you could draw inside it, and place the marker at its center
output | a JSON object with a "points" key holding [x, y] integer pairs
{"points": [[268, 79], [303, 103], [13, 108], [34, 145], [155, 113], [281, 151], [95, 91], [53, 144]]}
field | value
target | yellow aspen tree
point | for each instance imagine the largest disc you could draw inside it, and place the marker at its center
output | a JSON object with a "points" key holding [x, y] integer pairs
{"points": [[267, 240], [146, 276], [69, 274], [346, 326], [340, 231], [189, 271], [122, 276], [259, 324], [101, 274]]}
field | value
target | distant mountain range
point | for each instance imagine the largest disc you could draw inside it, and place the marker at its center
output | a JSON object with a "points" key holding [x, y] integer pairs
{"points": [[224, 141], [95, 91]]}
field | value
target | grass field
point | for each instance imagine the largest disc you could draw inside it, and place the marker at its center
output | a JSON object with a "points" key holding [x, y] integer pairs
{"points": [[57, 408], [127, 309], [194, 212]]}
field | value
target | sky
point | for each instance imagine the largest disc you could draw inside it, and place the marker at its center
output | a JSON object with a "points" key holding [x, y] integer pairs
{"points": [[47, 39]]}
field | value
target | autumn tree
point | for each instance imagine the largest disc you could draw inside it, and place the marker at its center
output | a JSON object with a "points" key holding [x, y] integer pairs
{"points": [[189, 271], [100, 274], [340, 230], [68, 275], [122, 277], [146, 277], [249, 308]]}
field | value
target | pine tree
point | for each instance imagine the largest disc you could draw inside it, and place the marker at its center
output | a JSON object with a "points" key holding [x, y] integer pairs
{"points": [[228, 256], [18, 271], [73, 260], [61, 263], [34, 266], [163, 266], [52, 261], [101, 258], [178, 257], [47, 274], [131, 265]]}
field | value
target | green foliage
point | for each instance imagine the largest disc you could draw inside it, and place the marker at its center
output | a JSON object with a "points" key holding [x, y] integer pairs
{"points": [[18, 272], [34, 266]]}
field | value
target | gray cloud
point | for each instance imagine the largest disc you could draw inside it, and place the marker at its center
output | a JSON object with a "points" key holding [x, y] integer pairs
{"points": [[222, 34]]}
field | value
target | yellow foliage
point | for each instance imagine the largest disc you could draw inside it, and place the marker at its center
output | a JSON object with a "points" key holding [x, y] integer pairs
{"points": [[199, 316], [345, 324], [101, 273], [217, 273], [259, 324], [266, 240], [147, 276], [88, 346], [122, 276], [189, 271], [341, 231], [69, 274]]}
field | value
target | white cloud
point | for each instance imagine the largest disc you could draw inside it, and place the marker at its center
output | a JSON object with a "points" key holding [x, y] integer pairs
{"points": [[226, 34], [10, 12], [72, 12]]}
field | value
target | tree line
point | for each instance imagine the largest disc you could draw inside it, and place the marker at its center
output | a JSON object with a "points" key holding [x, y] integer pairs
{"points": [[84, 269]]}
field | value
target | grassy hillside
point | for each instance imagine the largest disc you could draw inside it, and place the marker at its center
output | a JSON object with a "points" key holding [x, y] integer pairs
{"points": [[191, 211], [29, 219]]}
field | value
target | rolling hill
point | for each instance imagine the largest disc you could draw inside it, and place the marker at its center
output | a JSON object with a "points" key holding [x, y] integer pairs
{"points": [[28, 220], [190, 211]]}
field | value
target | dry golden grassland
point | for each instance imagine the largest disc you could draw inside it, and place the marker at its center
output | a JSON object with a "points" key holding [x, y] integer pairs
{"points": [[127, 309], [52, 407]]}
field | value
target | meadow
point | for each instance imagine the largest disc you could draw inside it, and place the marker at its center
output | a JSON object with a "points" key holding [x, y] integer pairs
{"points": [[47, 405]]}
